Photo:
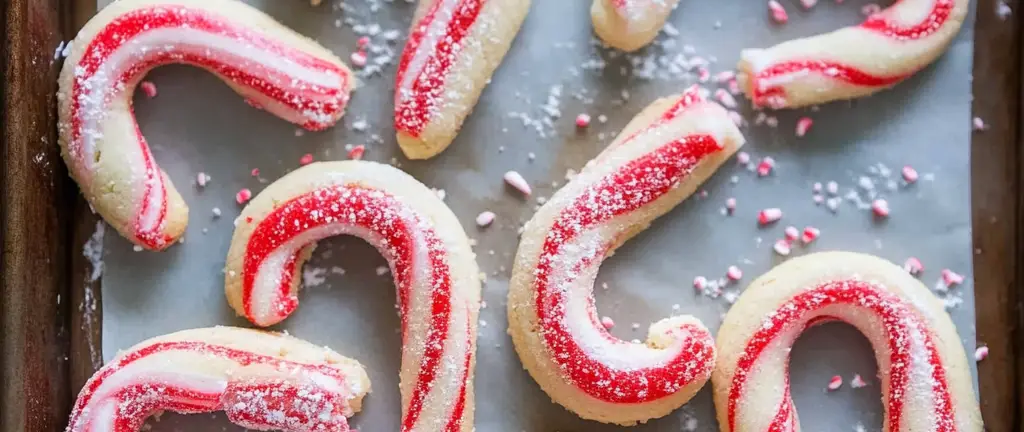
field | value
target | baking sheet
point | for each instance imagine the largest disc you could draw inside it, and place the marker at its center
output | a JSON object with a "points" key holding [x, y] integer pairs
{"points": [[525, 122]]}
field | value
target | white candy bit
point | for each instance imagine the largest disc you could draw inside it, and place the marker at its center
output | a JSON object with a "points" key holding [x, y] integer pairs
{"points": [[769, 215], [583, 120], [766, 166], [808, 4], [358, 58], [858, 382], [792, 233], [743, 157], [517, 181], [832, 188], [803, 125], [699, 283], [979, 124], [909, 174], [981, 353], [607, 323], [382, 270], [835, 383], [243, 196], [216, 212], [782, 247], [913, 266], [778, 13], [810, 235], [635, 326], [725, 98], [202, 179], [734, 273], [950, 278], [880, 207], [484, 219], [818, 199], [832, 204], [730, 205], [724, 76], [817, 187]]}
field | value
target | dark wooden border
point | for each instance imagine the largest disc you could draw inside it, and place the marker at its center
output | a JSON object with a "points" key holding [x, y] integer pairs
{"points": [[34, 214], [45, 354]]}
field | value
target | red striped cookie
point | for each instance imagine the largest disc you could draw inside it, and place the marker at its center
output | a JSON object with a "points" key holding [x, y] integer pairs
{"points": [[887, 48], [454, 46], [271, 66], [430, 258], [660, 158], [629, 24], [261, 380], [926, 378]]}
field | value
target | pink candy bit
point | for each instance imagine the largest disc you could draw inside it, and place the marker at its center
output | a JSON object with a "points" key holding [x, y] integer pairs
{"points": [[807, 4], [730, 205], [734, 273], [607, 323], [766, 166], [743, 157], [981, 353], [363, 42], [835, 383], [724, 76], [880, 207], [703, 74], [950, 278], [782, 247], [358, 58], [356, 153], [306, 159], [148, 88], [202, 179], [978, 124], [858, 382], [870, 9], [909, 174], [725, 98], [484, 219], [792, 233], [243, 196], [913, 266], [803, 125], [778, 13], [769, 215], [255, 172], [810, 235], [517, 181], [582, 120], [699, 283]]}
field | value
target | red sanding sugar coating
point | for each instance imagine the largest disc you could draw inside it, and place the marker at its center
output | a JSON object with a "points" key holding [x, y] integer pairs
{"points": [[899, 321], [397, 228], [637, 184], [283, 89], [413, 110], [296, 406]]}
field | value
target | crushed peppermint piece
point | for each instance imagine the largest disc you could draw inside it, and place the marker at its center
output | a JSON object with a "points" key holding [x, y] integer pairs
{"points": [[913, 266], [216, 212], [607, 323], [137, 248], [730, 204], [979, 124], [306, 159], [817, 187], [743, 157], [858, 382], [835, 383], [484, 219], [243, 196], [362, 42], [202, 179], [699, 283], [951, 278], [909, 174], [725, 98], [517, 181], [356, 153], [870, 9], [382, 270], [724, 76], [358, 58], [832, 188], [734, 273], [981, 353], [769, 215], [582, 120], [255, 172], [792, 233], [778, 13], [148, 88], [782, 247], [803, 125], [808, 4], [810, 234], [766, 166], [635, 326], [880, 207]]}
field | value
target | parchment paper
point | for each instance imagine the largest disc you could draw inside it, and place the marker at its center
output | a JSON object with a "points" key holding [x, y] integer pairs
{"points": [[554, 71]]}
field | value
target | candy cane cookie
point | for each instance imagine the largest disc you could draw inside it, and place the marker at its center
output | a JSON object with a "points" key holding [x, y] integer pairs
{"points": [[658, 160], [430, 258], [453, 49], [269, 65], [856, 61], [262, 381], [926, 380], [629, 24]]}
